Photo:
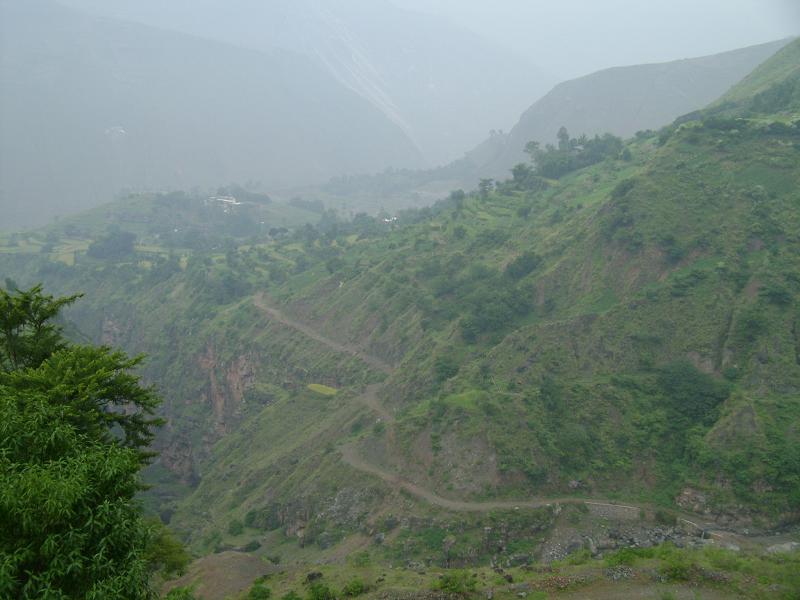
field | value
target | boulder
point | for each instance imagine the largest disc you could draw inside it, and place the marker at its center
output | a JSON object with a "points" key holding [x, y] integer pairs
{"points": [[784, 548]]}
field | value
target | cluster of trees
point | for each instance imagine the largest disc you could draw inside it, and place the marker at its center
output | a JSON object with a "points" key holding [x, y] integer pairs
{"points": [[218, 284], [571, 154], [115, 245], [484, 299], [526, 177], [693, 397], [75, 425], [493, 309]]}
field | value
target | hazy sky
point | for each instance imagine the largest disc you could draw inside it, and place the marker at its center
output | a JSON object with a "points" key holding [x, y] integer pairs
{"points": [[575, 37]]}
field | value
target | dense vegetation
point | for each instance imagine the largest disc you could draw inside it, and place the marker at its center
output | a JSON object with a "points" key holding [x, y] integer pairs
{"points": [[572, 154], [75, 423]]}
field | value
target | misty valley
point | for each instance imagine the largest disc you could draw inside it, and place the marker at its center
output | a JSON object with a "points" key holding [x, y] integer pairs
{"points": [[335, 299]]}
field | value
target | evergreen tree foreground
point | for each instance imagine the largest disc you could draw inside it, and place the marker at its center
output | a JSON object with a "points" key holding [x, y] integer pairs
{"points": [[75, 424]]}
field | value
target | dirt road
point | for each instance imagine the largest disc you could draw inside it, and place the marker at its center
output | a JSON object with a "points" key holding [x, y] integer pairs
{"points": [[280, 317], [370, 398]]}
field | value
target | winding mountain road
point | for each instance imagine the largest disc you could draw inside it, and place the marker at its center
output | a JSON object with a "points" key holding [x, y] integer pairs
{"points": [[352, 458], [369, 397], [275, 314]]}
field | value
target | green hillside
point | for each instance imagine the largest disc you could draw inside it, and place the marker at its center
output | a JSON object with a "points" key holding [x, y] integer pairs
{"points": [[608, 340], [783, 69], [620, 100], [624, 100], [637, 302]]}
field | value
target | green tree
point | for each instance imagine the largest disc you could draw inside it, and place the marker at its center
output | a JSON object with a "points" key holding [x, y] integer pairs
{"points": [[522, 265], [459, 583], [115, 245], [320, 591], [235, 527], [571, 154], [457, 197], [531, 149], [354, 588], [693, 396], [28, 334], [165, 553], [563, 139], [445, 366], [100, 396], [484, 187], [74, 425], [259, 592]]}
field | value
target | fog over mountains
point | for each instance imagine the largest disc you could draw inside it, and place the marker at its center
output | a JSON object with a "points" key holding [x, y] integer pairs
{"points": [[623, 100], [151, 95], [440, 83], [101, 105], [115, 95]]}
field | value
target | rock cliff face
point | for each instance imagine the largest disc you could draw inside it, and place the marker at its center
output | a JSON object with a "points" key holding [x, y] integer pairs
{"points": [[178, 457], [226, 385], [219, 404], [112, 332]]}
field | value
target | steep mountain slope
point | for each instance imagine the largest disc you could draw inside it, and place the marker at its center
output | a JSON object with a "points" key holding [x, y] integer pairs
{"points": [[97, 105], [771, 89], [402, 62], [624, 100], [627, 335], [628, 331], [621, 101]]}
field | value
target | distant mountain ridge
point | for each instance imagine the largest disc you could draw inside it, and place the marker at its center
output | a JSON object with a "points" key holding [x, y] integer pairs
{"points": [[624, 100], [444, 86], [96, 105], [780, 74], [621, 101]]}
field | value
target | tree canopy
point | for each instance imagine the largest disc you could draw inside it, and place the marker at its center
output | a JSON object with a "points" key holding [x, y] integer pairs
{"points": [[75, 423], [572, 153], [28, 333]]}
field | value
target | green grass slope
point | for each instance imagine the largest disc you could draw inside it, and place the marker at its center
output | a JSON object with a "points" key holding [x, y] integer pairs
{"points": [[783, 66], [624, 100], [629, 331], [653, 328]]}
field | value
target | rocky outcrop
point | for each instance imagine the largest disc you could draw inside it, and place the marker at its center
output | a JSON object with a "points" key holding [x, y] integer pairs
{"points": [[178, 458], [784, 548], [112, 333], [629, 535], [226, 386]]}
